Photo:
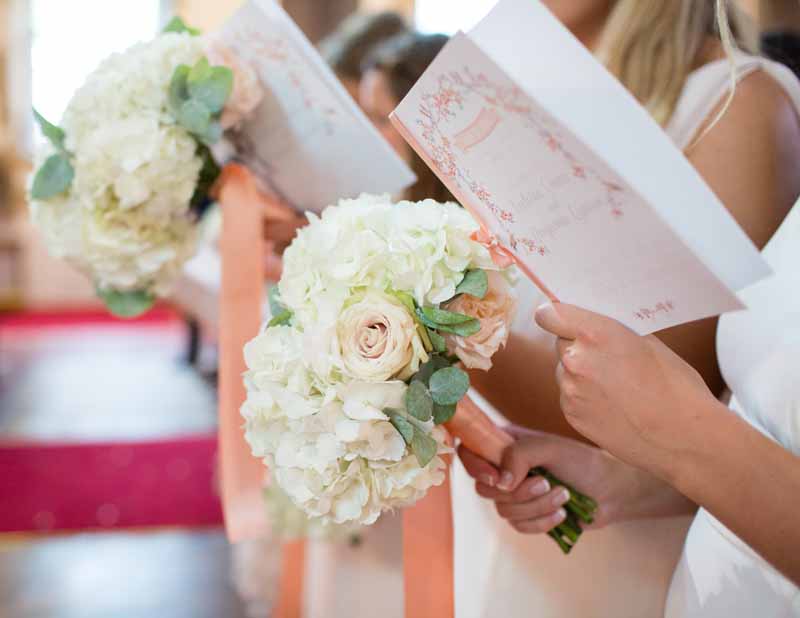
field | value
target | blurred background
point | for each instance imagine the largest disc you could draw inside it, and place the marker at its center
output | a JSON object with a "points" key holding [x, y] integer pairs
{"points": [[107, 497]]}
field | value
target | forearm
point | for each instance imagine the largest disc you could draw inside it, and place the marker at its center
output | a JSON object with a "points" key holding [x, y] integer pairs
{"points": [[645, 496], [747, 481]]}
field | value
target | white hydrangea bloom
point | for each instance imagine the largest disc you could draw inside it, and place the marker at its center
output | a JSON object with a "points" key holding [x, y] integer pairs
{"points": [[125, 219]]}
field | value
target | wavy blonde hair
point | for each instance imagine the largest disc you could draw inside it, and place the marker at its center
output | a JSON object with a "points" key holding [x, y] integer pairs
{"points": [[652, 46]]}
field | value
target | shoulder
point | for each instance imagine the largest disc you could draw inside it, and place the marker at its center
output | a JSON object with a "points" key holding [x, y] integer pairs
{"points": [[750, 153]]}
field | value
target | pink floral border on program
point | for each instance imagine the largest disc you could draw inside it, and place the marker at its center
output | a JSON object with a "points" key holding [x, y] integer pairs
{"points": [[453, 89]]}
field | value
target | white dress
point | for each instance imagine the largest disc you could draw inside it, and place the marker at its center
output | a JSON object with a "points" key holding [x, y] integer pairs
{"points": [[622, 571], [719, 576]]}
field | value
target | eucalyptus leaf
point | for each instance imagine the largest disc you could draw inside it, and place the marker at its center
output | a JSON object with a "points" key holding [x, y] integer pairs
{"points": [[53, 177], [442, 414], [126, 304], [55, 135], [194, 117], [401, 424], [475, 283], [465, 329], [449, 385], [213, 89], [424, 447], [176, 24], [284, 317], [212, 134], [437, 341], [274, 298], [430, 367], [178, 90], [419, 403], [442, 317], [199, 73]]}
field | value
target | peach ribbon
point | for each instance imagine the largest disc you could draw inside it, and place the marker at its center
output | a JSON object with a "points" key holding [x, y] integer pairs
{"points": [[244, 207]]}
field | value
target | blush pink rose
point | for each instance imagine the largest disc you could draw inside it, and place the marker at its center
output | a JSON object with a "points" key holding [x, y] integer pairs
{"points": [[495, 312], [247, 90]]}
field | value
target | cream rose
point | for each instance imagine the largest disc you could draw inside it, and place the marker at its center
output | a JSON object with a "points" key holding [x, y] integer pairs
{"points": [[247, 90], [379, 340], [495, 312]]}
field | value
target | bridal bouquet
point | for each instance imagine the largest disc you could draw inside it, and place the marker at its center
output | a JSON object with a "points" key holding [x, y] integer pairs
{"points": [[119, 184], [350, 383]]}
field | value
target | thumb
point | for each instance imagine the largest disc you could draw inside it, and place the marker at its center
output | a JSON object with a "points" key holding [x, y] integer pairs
{"points": [[514, 466]]}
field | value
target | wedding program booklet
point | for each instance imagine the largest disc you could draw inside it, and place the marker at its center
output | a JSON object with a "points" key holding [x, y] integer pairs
{"points": [[307, 139], [572, 177]]}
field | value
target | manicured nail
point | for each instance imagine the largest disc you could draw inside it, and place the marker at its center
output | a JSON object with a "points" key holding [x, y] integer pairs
{"points": [[561, 497], [559, 516], [506, 479], [540, 488], [486, 479]]}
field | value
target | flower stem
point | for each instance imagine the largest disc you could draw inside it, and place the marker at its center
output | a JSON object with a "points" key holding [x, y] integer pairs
{"points": [[579, 508]]}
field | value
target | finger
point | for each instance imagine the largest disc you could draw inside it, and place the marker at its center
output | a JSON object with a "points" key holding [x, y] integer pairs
{"points": [[518, 459], [563, 346], [541, 525], [543, 506], [478, 468], [568, 321], [528, 490], [492, 493]]}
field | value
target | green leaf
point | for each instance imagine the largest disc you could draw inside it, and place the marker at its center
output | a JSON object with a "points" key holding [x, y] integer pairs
{"points": [[465, 329], [208, 176], [427, 369], [54, 177], [176, 24], [406, 299], [442, 317], [212, 134], [475, 283], [284, 317], [178, 90], [418, 401], [401, 424], [437, 341], [449, 385], [274, 298], [194, 117], [199, 72], [126, 304], [424, 448], [442, 414], [213, 89], [55, 135]]}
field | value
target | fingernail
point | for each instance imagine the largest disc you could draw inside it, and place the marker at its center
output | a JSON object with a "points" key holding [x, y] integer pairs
{"points": [[545, 310], [559, 516], [561, 497], [540, 487], [486, 479], [506, 479]]}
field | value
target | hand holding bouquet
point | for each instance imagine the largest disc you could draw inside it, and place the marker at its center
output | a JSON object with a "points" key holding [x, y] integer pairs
{"points": [[351, 382]]}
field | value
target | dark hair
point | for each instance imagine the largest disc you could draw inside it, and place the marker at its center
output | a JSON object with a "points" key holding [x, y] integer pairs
{"points": [[403, 59], [346, 48]]}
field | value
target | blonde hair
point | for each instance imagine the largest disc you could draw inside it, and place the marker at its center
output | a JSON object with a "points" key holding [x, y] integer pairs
{"points": [[653, 46]]}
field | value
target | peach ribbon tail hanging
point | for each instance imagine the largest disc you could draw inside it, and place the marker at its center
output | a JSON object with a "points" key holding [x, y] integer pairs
{"points": [[244, 208]]}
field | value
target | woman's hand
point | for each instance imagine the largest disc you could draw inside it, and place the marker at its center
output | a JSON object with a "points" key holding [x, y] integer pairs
{"points": [[631, 395], [531, 506], [280, 232]]}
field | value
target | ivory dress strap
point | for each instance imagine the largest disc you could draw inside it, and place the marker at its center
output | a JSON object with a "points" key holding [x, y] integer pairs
{"points": [[707, 86]]}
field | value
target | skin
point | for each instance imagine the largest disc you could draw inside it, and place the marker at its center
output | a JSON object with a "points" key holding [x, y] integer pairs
{"points": [[637, 399], [748, 159]]}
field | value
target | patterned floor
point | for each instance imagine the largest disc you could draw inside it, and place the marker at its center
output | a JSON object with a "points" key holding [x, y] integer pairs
{"points": [[86, 380]]}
